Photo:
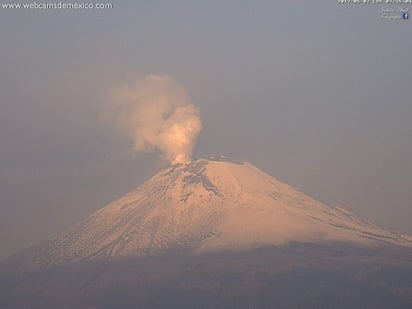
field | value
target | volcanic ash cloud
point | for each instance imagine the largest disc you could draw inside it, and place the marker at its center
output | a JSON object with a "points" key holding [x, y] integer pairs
{"points": [[157, 114]]}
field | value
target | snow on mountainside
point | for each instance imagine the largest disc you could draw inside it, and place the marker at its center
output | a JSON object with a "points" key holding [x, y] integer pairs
{"points": [[208, 205]]}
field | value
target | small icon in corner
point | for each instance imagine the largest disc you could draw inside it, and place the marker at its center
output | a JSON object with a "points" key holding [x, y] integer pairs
{"points": [[405, 16]]}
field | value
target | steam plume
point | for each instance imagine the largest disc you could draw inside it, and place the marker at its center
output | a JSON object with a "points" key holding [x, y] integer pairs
{"points": [[157, 114]]}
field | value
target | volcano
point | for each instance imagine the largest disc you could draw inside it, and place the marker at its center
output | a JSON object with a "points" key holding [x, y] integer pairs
{"points": [[208, 205], [208, 212]]}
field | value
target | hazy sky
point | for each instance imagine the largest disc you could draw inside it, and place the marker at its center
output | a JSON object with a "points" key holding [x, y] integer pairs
{"points": [[316, 94]]}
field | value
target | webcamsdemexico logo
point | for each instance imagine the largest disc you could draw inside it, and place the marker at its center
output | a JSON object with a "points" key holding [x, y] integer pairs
{"points": [[56, 5]]}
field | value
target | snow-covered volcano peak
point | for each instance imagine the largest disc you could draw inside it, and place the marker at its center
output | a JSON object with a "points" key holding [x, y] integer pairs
{"points": [[219, 175], [210, 204]]}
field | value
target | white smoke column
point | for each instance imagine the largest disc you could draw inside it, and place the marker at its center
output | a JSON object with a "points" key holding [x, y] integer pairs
{"points": [[157, 114]]}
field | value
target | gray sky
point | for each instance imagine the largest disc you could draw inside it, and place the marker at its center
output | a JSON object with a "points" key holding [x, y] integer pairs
{"points": [[316, 94]]}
